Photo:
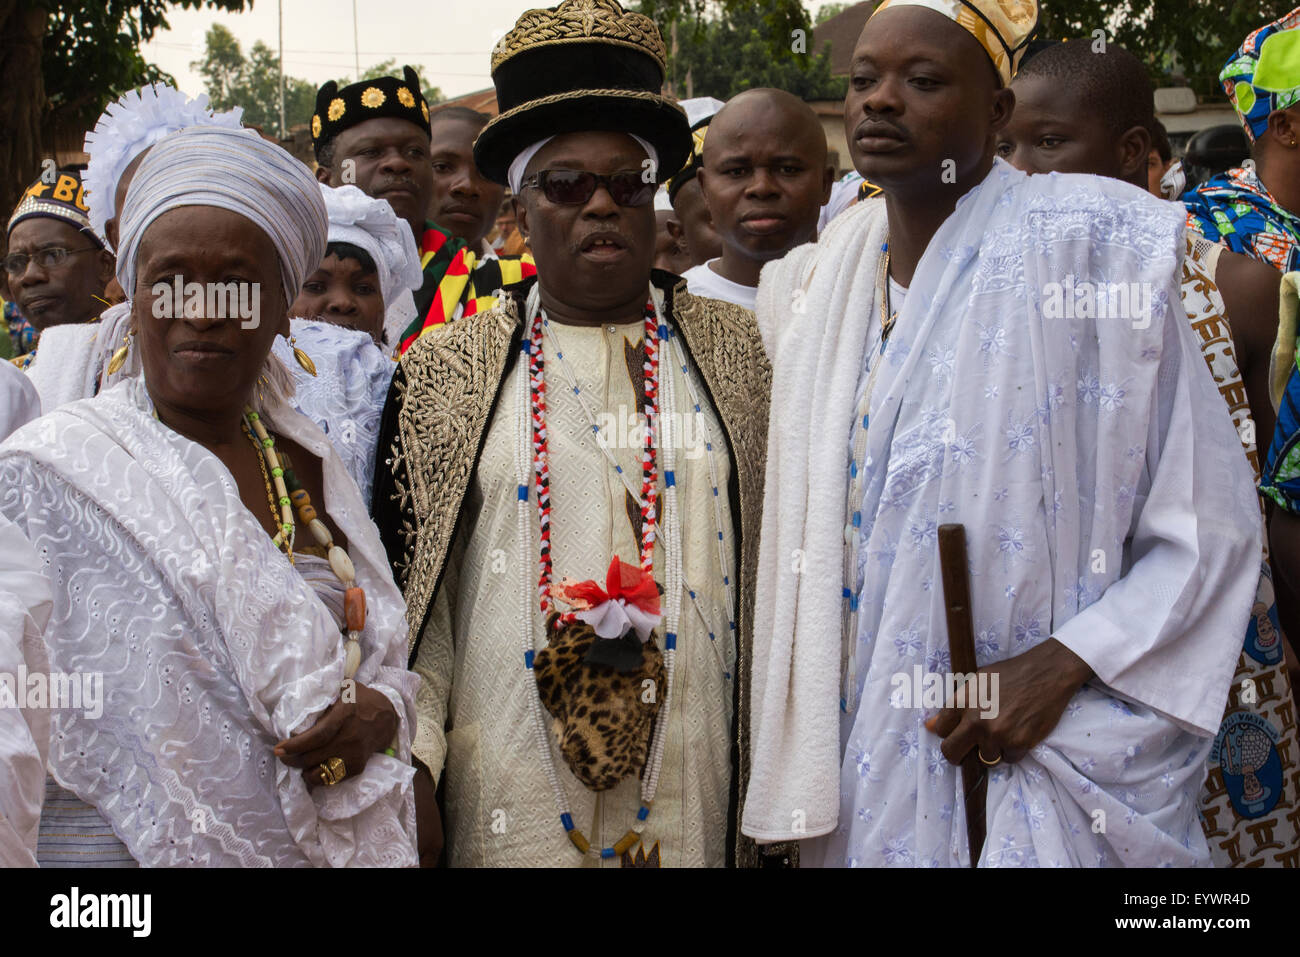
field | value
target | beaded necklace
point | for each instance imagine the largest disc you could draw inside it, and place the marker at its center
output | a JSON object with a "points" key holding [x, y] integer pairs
{"points": [[669, 335], [261, 464], [853, 531], [285, 536], [291, 495], [532, 464], [724, 569]]}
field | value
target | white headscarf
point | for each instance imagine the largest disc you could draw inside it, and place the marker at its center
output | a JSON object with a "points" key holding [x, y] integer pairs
{"points": [[372, 225], [235, 170], [700, 107], [128, 127], [515, 175], [1174, 182]]}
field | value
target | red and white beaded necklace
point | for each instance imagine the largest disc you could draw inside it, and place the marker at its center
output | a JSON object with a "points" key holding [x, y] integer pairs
{"points": [[532, 461], [541, 454]]}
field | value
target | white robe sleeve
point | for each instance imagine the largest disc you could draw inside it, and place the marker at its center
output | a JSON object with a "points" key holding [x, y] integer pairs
{"points": [[19, 402], [25, 605], [1168, 632]]}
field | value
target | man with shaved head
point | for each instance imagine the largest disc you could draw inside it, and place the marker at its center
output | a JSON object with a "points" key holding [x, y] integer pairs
{"points": [[765, 179], [1002, 353]]}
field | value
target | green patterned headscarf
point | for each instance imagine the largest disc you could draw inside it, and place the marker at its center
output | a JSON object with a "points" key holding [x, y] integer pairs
{"points": [[1264, 74]]}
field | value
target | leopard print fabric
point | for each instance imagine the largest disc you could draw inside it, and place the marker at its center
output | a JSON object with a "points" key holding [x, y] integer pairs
{"points": [[603, 718]]}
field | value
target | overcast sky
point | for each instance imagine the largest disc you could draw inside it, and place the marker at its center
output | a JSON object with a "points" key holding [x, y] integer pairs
{"points": [[451, 39]]}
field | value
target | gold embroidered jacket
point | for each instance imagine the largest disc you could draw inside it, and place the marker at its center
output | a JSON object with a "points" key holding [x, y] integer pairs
{"points": [[443, 396]]}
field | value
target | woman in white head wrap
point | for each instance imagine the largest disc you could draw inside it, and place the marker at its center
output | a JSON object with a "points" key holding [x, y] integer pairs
{"points": [[72, 361], [370, 264], [254, 711]]}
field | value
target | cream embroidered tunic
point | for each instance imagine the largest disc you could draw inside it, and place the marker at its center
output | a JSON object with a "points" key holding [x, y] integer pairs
{"points": [[500, 808]]}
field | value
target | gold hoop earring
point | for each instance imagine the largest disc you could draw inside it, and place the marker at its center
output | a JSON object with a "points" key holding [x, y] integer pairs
{"points": [[119, 357], [302, 358]]}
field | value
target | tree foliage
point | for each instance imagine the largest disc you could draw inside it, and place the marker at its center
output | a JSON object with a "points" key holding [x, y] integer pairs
{"points": [[253, 82], [828, 10], [726, 46], [62, 61], [1178, 39], [232, 79], [91, 51]]}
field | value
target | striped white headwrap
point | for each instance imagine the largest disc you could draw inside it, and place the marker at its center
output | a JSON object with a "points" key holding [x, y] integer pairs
{"points": [[235, 170]]}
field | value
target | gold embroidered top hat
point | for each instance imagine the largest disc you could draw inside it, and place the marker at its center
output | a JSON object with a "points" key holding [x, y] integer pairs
{"points": [[583, 65], [1002, 27], [339, 109], [60, 195]]}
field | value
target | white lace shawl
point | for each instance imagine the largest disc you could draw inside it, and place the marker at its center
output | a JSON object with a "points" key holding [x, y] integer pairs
{"points": [[346, 396], [1054, 441], [211, 645]]}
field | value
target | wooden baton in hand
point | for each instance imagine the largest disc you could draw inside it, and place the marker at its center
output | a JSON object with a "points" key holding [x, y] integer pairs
{"points": [[953, 564]]}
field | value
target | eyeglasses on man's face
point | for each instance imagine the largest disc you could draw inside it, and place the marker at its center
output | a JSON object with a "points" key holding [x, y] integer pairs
{"points": [[573, 187], [49, 258]]}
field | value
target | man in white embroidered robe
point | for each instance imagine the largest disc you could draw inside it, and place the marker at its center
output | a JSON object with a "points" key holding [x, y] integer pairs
{"points": [[1109, 513]]}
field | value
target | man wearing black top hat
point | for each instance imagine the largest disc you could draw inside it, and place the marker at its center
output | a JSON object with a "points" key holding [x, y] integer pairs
{"points": [[375, 135], [579, 585]]}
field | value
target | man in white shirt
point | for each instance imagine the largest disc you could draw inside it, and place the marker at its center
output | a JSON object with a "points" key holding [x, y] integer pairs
{"points": [[765, 179]]}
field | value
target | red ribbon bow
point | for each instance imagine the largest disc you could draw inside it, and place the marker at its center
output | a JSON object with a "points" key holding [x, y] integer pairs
{"points": [[630, 583]]}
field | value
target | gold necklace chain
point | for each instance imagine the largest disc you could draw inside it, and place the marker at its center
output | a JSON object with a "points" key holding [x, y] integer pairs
{"points": [[266, 478], [887, 318]]}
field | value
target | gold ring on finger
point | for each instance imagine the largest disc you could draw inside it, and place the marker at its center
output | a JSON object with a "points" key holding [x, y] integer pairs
{"points": [[338, 770]]}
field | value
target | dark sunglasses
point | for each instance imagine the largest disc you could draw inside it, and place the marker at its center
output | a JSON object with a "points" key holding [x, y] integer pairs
{"points": [[573, 187]]}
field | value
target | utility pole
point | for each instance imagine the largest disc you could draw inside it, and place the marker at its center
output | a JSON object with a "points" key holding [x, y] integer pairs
{"points": [[672, 84], [280, 7], [356, 42]]}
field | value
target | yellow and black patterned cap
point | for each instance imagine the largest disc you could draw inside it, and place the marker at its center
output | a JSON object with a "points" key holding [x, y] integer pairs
{"points": [[58, 195], [340, 109]]}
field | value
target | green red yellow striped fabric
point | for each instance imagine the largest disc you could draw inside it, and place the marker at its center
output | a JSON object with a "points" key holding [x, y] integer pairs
{"points": [[457, 282]]}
